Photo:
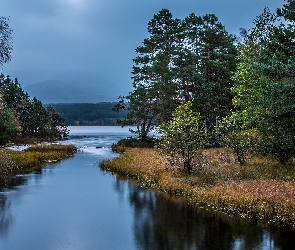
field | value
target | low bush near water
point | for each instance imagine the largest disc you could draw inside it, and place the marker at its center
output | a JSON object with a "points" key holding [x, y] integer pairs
{"points": [[262, 190], [133, 143]]}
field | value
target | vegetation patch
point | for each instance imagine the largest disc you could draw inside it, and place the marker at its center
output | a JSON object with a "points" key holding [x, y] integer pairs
{"points": [[261, 190], [132, 142], [15, 162]]}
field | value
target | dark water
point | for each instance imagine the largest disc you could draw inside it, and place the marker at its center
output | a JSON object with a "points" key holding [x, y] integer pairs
{"points": [[73, 205]]}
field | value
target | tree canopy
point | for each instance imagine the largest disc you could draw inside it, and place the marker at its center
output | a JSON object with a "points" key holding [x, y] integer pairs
{"points": [[265, 84], [183, 137], [182, 60], [5, 41], [21, 116], [244, 91]]}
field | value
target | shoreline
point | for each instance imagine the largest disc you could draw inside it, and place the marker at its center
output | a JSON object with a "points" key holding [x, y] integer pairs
{"points": [[25, 159], [256, 191]]}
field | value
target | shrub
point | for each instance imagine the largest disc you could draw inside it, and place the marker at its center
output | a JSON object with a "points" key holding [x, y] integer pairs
{"points": [[183, 137]]}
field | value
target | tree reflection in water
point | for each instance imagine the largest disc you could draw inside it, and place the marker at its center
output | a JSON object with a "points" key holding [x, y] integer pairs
{"points": [[5, 214], [160, 223], [6, 217]]}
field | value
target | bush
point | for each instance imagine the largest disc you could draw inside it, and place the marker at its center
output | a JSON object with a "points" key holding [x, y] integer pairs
{"points": [[131, 142], [183, 137]]}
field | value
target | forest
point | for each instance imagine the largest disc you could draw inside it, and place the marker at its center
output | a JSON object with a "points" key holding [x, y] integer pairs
{"points": [[89, 114], [238, 91], [22, 117]]}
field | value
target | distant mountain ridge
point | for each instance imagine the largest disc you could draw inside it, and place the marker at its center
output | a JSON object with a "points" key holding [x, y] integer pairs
{"points": [[54, 91]]}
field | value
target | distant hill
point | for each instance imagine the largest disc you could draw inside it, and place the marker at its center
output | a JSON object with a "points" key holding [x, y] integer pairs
{"points": [[53, 91]]}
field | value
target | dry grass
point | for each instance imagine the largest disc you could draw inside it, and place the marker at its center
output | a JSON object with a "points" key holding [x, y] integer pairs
{"points": [[262, 190], [13, 162]]}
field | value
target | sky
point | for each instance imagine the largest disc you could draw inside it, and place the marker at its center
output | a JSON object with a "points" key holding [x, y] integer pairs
{"points": [[91, 43]]}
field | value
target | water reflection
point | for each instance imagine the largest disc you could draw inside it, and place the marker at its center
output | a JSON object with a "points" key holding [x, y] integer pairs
{"points": [[73, 205], [5, 214], [160, 223]]}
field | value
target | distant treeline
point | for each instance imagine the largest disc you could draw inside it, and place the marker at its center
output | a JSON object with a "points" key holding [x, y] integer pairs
{"points": [[89, 114]]}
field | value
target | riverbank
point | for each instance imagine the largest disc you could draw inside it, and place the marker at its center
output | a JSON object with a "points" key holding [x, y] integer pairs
{"points": [[32, 157], [261, 190]]}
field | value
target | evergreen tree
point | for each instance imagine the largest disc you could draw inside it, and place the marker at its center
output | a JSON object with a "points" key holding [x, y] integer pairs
{"points": [[212, 64], [181, 61], [265, 90], [154, 63], [8, 124], [187, 73], [5, 41], [30, 117], [154, 95], [55, 127]]}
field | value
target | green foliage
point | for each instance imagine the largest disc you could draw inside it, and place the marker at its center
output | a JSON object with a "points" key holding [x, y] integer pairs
{"points": [[265, 92], [8, 124], [5, 41], [151, 101], [183, 137], [244, 142], [211, 63], [56, 127], [181, 61], [24, 116], [288, 11], [141, 112], [133, 143]]}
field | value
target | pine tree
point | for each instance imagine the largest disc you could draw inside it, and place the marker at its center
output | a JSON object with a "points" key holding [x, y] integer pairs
{"points": [[213, 59], [5, 41], [181, 61], [154, 97]]}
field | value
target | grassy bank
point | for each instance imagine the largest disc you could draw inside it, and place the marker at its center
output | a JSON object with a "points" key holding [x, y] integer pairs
{"points": [[262, 190], [14, 162]]}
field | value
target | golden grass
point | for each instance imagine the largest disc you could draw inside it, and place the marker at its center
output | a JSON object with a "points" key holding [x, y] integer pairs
{"points": [[261, 190], [13, 162]]}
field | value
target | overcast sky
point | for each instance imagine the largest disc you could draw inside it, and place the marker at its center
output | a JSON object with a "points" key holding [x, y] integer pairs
{"points": [[93, 41]]}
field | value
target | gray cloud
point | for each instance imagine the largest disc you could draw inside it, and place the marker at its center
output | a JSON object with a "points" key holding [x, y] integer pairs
{"points": [[85, 41]]}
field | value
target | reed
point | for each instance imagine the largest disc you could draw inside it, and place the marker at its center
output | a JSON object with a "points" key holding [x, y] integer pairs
{"points": [[14, 162], [262, 190]]}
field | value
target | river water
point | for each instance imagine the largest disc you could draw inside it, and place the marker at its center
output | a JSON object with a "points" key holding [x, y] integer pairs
{"points": [[74, 205]]}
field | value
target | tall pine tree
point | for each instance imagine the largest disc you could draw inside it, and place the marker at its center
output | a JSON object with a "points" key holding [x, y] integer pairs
{"points": [[181, 61]]}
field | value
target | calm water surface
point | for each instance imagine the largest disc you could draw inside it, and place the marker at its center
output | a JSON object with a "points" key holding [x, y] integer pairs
{"points": [[73, 205]]}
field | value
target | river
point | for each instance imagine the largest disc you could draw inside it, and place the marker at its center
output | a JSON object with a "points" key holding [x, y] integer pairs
{"points": [[74, 205]]}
